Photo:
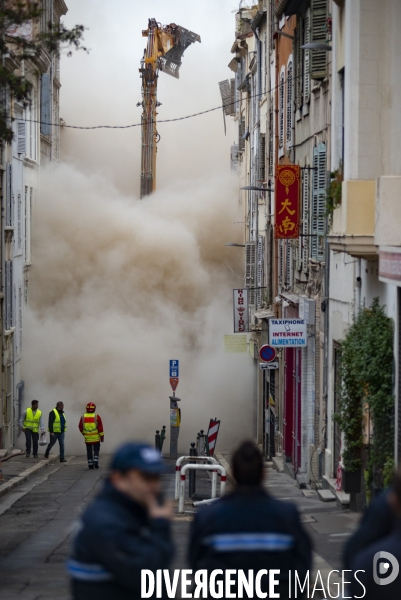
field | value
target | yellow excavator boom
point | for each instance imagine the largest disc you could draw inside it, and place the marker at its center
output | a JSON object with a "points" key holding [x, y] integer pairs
{"points": [[164, 50]]}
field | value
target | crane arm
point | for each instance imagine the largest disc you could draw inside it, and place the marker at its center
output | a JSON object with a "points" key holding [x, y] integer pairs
{"points": [[164, 51]]}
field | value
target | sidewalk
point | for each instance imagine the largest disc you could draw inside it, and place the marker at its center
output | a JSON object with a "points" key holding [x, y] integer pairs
{"points": [[17, 469]]}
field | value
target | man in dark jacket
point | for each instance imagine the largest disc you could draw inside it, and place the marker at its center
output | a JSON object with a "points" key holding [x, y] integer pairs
{"points": [[124, 530], [57, 429], [248, 529], [379, 563]]}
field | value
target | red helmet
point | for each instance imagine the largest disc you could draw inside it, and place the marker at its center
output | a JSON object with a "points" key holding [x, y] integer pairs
{"points": [[91, 407]]}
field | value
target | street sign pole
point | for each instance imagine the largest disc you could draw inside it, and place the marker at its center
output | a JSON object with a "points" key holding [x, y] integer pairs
{"points": [[175, 412]]}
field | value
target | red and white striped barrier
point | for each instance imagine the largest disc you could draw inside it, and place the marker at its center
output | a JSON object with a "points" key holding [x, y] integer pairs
{"points": [[212, 433]]}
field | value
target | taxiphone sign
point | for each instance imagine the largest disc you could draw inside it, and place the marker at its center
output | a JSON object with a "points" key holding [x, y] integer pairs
{"points": [[233, 583]]}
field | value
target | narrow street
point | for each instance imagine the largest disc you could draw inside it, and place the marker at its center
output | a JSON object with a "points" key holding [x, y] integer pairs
{"points": [[37, 520]]}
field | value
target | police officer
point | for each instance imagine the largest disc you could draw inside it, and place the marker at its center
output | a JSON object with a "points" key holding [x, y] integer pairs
{"points": [[248, 529], [124, 530], [31, 421]]}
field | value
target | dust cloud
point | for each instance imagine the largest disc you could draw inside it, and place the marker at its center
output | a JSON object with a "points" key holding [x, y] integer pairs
{"points": [[120, 285]]}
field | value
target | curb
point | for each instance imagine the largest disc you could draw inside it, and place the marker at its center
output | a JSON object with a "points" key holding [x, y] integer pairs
{"points": [[227, 467], [6, 487]]}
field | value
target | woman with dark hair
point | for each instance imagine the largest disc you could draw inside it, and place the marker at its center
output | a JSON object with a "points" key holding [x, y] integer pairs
{"points": [[247, 529]]}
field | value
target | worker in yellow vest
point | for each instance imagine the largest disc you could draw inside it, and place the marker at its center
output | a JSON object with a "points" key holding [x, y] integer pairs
{"points": [[91, 427], [57, 428], [31, 422]]}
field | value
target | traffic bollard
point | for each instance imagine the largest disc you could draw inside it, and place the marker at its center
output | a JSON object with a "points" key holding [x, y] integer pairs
{"points": [[192, 474], [162, 437], [201, 450], [157, 440]]}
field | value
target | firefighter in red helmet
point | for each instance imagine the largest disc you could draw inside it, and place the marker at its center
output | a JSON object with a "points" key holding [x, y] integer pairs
{"points": [[91, 427]]}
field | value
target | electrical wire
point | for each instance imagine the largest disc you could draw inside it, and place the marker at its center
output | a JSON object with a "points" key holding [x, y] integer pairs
{"points": [[191, 116]]}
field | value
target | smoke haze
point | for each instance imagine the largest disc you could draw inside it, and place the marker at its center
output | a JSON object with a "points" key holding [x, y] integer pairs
{"points": [[119, 286]]}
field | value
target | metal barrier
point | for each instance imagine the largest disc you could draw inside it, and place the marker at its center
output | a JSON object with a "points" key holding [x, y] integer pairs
{"points": [[192, 459], [211, 467]]}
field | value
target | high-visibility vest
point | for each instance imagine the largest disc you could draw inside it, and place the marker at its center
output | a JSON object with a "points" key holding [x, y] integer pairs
{"points": [[57, 422], [89, 428], [31, 420]]}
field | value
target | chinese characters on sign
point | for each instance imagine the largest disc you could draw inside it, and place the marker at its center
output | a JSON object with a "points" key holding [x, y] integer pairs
{"points": [[287, 190], [241, 315]]}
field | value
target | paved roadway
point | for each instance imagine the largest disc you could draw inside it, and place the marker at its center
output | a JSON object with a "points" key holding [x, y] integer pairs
{"points": [[37, 521]]}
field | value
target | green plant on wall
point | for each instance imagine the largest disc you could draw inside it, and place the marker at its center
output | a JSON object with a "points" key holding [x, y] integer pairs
{"points": [[333, 198], [367, 386]]}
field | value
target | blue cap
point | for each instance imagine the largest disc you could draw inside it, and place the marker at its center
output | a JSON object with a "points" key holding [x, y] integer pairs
{"points": [[139, 456]]}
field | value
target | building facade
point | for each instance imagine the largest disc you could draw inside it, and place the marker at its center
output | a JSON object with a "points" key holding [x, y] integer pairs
{"points": [[34, 146]]}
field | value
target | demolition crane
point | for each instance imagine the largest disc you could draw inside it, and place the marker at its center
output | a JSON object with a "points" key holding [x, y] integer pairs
{"points": [[164, 51]]}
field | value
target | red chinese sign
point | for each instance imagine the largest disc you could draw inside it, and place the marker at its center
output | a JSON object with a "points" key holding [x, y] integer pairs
{"points": [[287, 213]]}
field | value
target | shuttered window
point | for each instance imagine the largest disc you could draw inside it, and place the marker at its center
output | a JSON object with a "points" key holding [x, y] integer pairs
{"points": [[306, 66], [21, 137], [289, 104], [319, 34], [280, 263], [9, 199], [262, 157], [298, 64], [260, 273], [305, 221], [241, 134], [9, 293], [250, 270], [281, 111], [45, 105], [227, 91], [271, 142], [19, 221], [318, 202]]}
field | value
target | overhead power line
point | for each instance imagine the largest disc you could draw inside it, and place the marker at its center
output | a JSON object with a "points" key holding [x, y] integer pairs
{"points": [[197, 114]]}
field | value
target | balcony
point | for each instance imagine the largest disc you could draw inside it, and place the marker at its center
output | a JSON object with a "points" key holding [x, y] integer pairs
{"points": [[353, 229]]}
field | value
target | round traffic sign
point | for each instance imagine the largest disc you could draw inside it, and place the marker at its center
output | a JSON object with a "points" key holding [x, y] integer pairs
{"points": [[267, 353]]}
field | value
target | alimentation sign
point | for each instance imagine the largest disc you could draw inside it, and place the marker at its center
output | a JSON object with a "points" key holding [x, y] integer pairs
{"points": [[287, 333]]}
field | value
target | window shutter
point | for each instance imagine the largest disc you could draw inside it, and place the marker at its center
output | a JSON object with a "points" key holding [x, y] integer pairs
{"points": [[21, 137], [262, 157], [45, 108], [305, 221], [9, 206], [318, 202], [319, 34], [307, 39], [233, 104], [271, 142], [234, 157], [288, 257], [289, 104], [19, 221], [321, 207], [260, 273], [298, 64], [241, 134], [280, 263], [281, 111], [9, 293], [250, 270]]}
